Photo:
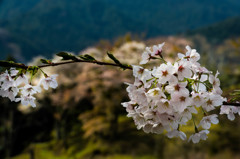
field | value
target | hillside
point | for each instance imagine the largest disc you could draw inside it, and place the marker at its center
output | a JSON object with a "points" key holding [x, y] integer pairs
{"points": [[220, 31], [44, 27]]}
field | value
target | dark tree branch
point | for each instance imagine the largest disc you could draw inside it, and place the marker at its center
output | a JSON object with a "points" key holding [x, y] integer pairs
{"points": [[20, 65], [231, 104], [87, 61], [12, 64]]}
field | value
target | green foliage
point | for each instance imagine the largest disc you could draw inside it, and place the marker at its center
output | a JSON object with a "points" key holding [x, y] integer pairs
{"points": [[9, 64], [116, 61], [235, 96], [110, 55], [218, 32], [35, 126], [67, 56], [45, 61], [87, 57], [33, 70]]}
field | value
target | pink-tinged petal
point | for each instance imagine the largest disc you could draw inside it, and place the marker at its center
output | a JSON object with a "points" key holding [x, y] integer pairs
{"points": [[231, 116], [180, 55], [196, 138], [182, 135], [147, 128], [203, 78], [158, 129], [214, 120]]}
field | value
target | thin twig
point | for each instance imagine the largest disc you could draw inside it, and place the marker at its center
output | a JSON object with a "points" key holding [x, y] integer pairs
{"points": [[231, 104], [20, 65], [86, 61], [8, 64]]}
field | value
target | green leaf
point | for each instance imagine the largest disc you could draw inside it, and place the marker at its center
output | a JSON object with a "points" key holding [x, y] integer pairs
{"points": [[33, 70], [114, 58], [87, 57], [11, 64], [44, 61], [235, 96], [20, 72], [236, 92], [67, 56]]}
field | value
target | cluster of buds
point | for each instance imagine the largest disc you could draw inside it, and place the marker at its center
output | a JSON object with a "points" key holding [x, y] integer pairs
{"points": [[164, 98], [15, 85]]}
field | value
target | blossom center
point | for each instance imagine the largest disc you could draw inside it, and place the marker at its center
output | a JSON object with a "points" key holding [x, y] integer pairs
{"points": [[158, 52], [140, 71], [165, 73], [155, 92], [7, 78], [166, 104], [180, 68], [182, 99], [29, 89], [209, 102], [177, 87], [214, 82], [197, 98]]}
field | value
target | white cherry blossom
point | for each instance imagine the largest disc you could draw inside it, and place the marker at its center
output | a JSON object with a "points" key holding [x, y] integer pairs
{"points": [[230, 111], [49, 82], [183, 69], [163, 106], [141, 73], [149, 53], [206, 121], [139, 121], [157, 49], [148, 128], [157, 128], [198, 99], [214, 80], [6, 81], [27, 100], [179, 87], [180, 101], [130, 108], [191, 55], [146, 56], [212, 101], [176, 133], [10, 93], [29, 89], [202, 135], [186, 115], [21, 79], [155, 95], [164, 73]]}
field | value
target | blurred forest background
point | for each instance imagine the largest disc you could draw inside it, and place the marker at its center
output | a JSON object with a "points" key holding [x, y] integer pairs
{"points": [[83, 117]]}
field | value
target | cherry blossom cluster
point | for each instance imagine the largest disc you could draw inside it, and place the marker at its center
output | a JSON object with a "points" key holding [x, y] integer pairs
{"points": [[230, 111], [16, 86], [165, 98]]}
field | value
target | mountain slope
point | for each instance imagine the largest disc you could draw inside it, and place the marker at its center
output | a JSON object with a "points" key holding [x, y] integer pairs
{"points": [[44, 27], [219, 31]]}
